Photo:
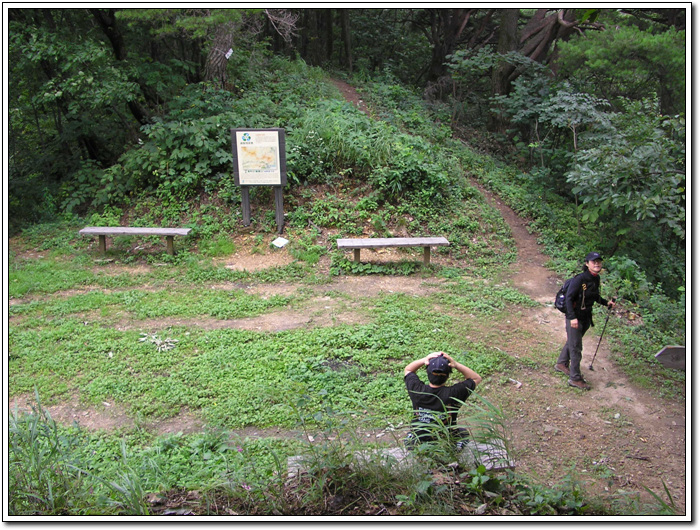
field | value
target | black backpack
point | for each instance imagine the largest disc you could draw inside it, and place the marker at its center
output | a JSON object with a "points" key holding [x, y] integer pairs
{"points": [[560, 297]]}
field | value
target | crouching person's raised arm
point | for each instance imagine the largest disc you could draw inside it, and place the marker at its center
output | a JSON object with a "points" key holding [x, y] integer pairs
{"points": [[467, 372]]}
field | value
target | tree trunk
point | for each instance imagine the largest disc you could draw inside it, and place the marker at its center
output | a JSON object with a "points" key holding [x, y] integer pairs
{"points": [[328, 23], [345, 34], [107, 21], [304, 44], [507, 42], [215, 67], [543, 30], [446, 28]]}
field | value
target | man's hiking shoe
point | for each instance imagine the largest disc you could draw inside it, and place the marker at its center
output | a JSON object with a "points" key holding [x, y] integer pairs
{"points": [[579, 383], [559, 367]]}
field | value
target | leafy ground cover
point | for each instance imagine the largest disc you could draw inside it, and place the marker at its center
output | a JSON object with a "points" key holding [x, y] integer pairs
{"points": [[202, 378], [192, 378]]}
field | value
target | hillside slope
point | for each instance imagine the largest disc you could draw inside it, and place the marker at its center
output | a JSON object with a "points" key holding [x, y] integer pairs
{"points": [[634, 439], [617, 437]]}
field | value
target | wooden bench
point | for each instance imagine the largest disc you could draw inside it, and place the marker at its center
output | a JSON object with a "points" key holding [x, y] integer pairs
{"points": [[102, 232], [672, 357], [386, 242]]}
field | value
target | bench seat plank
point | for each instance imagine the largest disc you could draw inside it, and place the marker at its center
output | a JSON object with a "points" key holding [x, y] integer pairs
{"points": [[103, 231], [384, 242], [133, 231]]}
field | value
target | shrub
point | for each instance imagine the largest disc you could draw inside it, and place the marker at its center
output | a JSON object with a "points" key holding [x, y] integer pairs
{"points": [[336, 139], [415, 167]]}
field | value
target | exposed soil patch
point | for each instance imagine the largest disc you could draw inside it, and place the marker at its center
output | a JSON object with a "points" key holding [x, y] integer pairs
{"points": [[321, 316], [252, 262], [109, 417], [351, 95], [111, 268]]}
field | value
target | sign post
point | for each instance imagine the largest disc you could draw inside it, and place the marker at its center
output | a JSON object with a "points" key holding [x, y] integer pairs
{"points": [[259, 160]]}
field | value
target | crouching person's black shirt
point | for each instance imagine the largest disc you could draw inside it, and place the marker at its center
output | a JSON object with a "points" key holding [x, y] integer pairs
{"points": [[433, 406]]}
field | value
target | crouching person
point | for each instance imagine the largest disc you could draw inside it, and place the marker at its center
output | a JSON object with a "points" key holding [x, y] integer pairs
{"points": [[436, 405]]}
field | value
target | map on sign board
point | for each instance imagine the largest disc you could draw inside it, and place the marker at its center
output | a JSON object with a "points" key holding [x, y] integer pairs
{"points": [[259, 157]]}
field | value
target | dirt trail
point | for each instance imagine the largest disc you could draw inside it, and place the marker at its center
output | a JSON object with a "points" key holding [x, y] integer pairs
{"points": [[623, 437], [617, 436]]}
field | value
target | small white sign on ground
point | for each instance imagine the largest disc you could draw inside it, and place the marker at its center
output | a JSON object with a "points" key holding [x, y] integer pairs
{"points": [[280, 242]]}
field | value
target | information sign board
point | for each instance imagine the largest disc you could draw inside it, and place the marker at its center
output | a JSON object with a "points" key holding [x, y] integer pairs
{"points": [[259, 160], [259, 157]]}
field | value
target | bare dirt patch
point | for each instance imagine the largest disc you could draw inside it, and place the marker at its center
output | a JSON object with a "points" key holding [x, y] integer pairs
{"points": [[112, 268], [242, 261], [276, 321], [351, 95], [108, 417], [332, 304]]}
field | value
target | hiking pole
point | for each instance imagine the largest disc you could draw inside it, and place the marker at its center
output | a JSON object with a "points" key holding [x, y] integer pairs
{"points": [[601, 337]]}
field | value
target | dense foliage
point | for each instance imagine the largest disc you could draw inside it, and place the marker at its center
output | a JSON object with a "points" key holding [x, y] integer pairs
{"points": [[97, 117]]}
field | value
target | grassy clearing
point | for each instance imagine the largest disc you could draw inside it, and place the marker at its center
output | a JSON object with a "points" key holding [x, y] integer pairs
{"points": [[94, 334], [101, 349], [133, 329]]}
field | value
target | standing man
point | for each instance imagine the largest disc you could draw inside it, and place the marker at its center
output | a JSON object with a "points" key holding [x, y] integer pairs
{"points": [[583, 292], [435, 404]]}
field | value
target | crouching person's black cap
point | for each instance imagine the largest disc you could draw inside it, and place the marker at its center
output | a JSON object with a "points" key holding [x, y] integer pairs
{"points": [[439, 370]]}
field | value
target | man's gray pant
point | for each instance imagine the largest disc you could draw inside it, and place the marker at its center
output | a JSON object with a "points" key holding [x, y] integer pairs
{"points": [[572, 352]]}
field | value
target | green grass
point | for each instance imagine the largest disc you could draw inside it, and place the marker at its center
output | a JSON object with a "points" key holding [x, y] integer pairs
{"points": [[98, 349], [149, 344], [150, 341]]}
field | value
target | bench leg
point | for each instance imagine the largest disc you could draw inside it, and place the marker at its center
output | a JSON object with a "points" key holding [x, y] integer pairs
{"points": [[103, 244], [426, 255], [356, 253], [171, 246]]}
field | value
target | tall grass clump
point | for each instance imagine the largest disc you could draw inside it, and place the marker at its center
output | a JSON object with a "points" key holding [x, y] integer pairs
{"points": [[49, 473], [43, 478], [338, 469], [334, 139]]}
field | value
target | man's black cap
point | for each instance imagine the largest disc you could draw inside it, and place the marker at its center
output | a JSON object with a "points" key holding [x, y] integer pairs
{"points": [[439, 370], [439, 365]]}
